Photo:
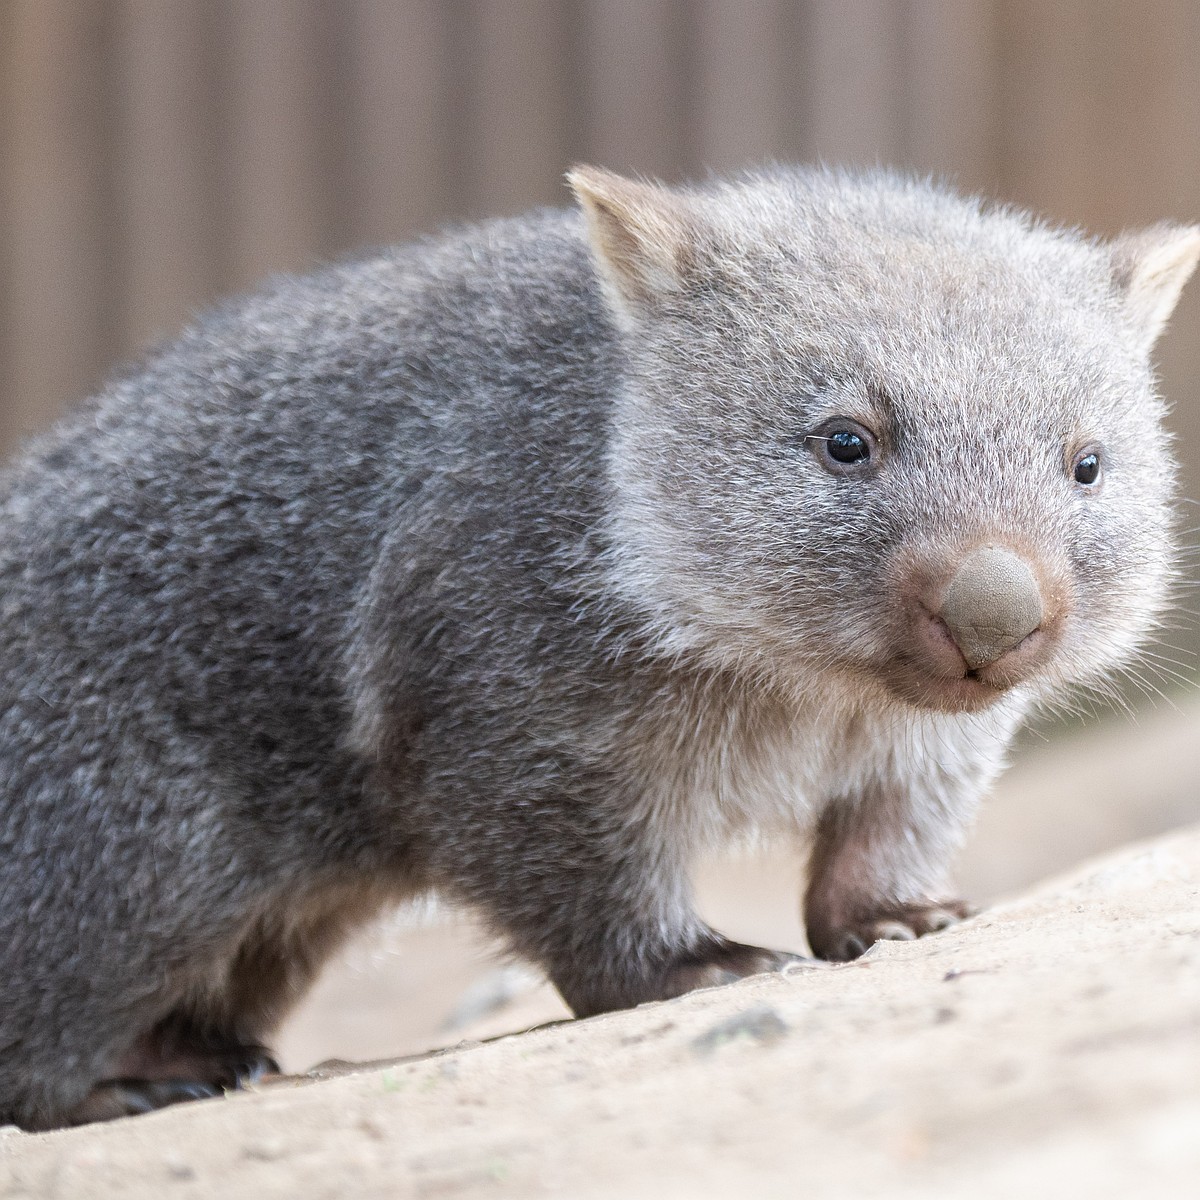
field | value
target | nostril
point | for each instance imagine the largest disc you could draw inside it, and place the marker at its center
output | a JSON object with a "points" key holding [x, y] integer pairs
{"points": [[939, 631]]}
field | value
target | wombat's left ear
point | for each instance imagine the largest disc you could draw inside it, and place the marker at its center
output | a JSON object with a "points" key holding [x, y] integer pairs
{"points": [[640, 234], [1151, 266]]}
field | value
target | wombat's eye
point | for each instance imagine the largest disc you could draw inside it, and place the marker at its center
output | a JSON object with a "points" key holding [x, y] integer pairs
{"points": [[842, 445], [1086, 467], [847, 447]]}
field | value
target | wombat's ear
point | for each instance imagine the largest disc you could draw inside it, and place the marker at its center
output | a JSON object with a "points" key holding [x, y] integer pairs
{"points": [[1151, 266], [640, 233]]}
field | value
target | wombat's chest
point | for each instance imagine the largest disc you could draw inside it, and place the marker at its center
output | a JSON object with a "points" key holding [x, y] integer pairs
{"points": [[726, 769], [778, 775], [773, 768]]}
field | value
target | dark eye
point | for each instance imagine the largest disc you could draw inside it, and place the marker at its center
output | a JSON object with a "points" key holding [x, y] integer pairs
{"points": [[842, 445], [1086, 468], [847, 447]]}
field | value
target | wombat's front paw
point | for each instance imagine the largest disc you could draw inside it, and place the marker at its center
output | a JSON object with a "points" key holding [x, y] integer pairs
{"points": [[723, 962], [844, 941]]}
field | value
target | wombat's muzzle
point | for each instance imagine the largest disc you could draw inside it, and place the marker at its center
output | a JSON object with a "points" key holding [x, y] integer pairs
{"points": [[975, 626]]}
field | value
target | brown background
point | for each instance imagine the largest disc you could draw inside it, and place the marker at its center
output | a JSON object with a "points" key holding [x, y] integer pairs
{"points": [[155, 154]]}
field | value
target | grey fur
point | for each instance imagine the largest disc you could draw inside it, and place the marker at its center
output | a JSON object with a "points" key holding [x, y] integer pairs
{"points": [[505, 564]]}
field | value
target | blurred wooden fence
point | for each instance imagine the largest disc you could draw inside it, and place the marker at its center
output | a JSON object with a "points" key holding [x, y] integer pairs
{"points": [[157, 153]]}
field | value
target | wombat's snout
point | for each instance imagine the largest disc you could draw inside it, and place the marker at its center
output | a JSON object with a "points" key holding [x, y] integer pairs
{"points": [[991, 604], [978, 621]]}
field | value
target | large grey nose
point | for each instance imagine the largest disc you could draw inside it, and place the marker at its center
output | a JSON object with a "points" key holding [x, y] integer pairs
{"points": [[992, 602]]}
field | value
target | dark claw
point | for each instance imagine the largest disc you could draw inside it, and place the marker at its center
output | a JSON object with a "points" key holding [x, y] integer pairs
{"points": [[850, 947], [253, 1066], [165, 1092]]}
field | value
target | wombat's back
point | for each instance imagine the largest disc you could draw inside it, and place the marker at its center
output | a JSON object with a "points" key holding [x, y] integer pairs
{"points": [[190, 545], [180, 564]]}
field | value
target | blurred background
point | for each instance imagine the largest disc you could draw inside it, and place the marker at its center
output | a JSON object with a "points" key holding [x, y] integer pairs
{"points": [[158, 154]]}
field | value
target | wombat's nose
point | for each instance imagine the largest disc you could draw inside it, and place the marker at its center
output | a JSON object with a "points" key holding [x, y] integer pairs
{"points": [[991, 604]]}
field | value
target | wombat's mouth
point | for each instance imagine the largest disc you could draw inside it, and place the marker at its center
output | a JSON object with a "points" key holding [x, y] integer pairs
{"points": [[932, 674], [968, 692]]}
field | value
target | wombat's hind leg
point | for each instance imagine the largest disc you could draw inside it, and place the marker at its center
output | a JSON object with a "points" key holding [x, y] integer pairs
{"points": [[174, 1062], [209, 1043], [131, 1097]]}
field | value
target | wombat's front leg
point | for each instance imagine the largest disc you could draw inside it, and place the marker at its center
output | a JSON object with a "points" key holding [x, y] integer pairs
{"points": [[714, 961], [707, 960], [608, 915], [877, 872]]}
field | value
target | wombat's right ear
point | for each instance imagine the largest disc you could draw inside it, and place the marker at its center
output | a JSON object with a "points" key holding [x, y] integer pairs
{"points": [[640, 234], [1151, 266]]}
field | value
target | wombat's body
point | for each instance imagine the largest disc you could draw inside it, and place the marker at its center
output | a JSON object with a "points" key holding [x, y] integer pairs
{"points": [[520, 569]]}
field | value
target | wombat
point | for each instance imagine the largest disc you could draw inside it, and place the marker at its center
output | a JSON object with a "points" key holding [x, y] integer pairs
{"points": [[524, 563]]}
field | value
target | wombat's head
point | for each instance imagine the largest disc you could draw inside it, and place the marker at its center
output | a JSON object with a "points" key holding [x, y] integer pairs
{"points": [[877, 434]]}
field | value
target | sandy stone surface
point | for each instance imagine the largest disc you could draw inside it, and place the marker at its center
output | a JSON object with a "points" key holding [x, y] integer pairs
{"points": [[1049, 1047]]}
